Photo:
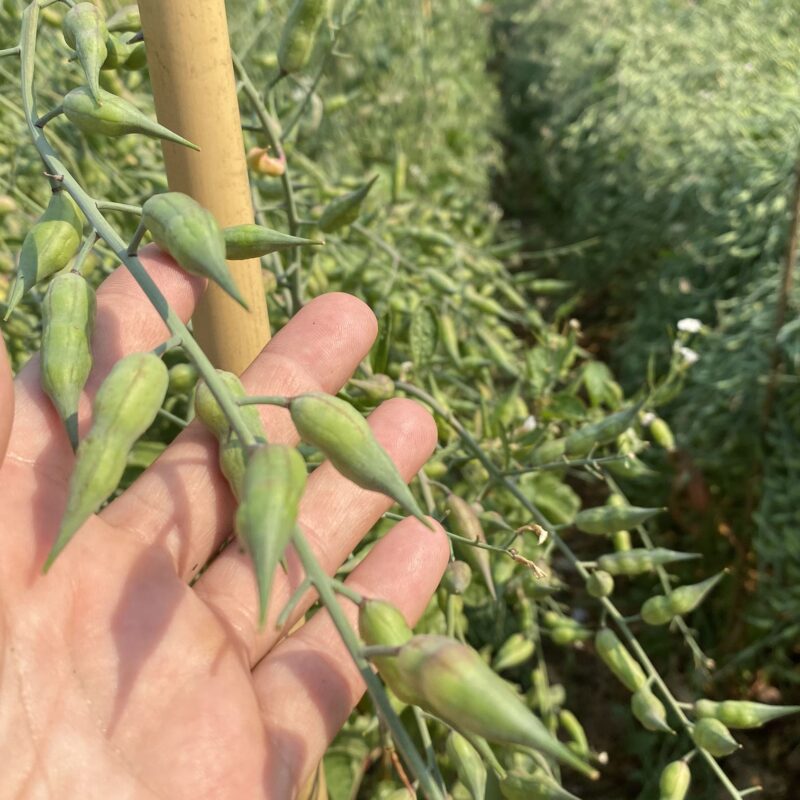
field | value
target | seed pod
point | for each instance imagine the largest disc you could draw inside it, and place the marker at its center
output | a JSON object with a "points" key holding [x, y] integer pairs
{"points": [[457, 577], [621, 540], [712, 735], [85, 32], [465, 522], [117, 52], [262, 163], [299, 33], [182, 378], [600, 584], [662, 436], [742, 714], [516, 650], [376, 388], [674, 781], [657, 610], [686, 599], [616, 657], [440, 280], [640, 560], [451, 680], [380, 623], [549, 452], [66, 357], [345, 209], [232, 456], [254, 241], [449, 337], [273, 485], [564, 635], [582, 441], [650, 711], [466, 761], [344, 436], [124, 408], [538, 786], [126, 19], [137, 58], [573, 728], [47, 247], [609, 519], [113, 116], [190, 234]]}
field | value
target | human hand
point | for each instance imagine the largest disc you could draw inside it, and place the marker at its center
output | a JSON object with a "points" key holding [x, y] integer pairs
{"points": [[118, 680]]}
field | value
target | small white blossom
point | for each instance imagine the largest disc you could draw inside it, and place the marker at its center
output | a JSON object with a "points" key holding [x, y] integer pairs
{"points": [[648, 418], [689, 325], [688, 355], [530, 424]]}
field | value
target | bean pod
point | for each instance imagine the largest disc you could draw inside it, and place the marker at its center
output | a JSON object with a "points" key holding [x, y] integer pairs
{"points": [[344, 210]]}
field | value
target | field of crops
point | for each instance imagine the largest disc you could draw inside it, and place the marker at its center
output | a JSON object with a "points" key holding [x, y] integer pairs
{"points": [[576, 227]]}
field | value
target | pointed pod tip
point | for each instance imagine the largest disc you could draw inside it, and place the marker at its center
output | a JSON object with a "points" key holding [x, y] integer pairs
{"points": [[71, 424]]}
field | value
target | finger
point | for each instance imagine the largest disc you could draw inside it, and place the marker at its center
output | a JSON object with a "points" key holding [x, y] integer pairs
{"points": [[6, 399], [334, 515], [182, 502], [309, 684], [126, 322]]}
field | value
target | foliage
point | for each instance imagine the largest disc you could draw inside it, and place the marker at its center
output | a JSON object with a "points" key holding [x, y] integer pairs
{"points": [[661, 138]]}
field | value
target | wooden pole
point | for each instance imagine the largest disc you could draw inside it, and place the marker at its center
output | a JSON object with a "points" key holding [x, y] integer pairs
{"points": [[188, 55]]}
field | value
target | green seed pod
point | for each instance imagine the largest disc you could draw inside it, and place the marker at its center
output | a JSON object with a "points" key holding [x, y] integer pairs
{"points": [[609, 519], [686, 599], [657, 610], [190, 234], [345, 209], [126, 20], [376, 388], [621, 540], [712, 735], [582, 441], [465, 522], [124, 408], [380, 623], [137, 58], [440, 280], [299, 33], [457, 577], [47, 247], [466, 761], [674, 781], [274, 482], [538, 786], [85, 32], [254, 241], [516, 650], [344, 436], [650, 711], [573, 728], [548, 453], [449, 337], [662, 436], [600, 584], [564, 635], [182, 378], [742, 714], [117, 52], [616, 657], [113, 116], [66, 357], [232, 456], [451, 680], [640, 560]]}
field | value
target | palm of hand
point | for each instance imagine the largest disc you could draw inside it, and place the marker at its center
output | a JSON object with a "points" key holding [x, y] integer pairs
{"points": [[118, 679]]}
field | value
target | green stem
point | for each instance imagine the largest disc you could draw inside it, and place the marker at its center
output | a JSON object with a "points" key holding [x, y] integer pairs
{"points": [[263, 399], [322, 584], [107, 205], [10, 51], [86, 247]]}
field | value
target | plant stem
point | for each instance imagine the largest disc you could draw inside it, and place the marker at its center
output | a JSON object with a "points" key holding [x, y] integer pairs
{"points": [[322, 584]]}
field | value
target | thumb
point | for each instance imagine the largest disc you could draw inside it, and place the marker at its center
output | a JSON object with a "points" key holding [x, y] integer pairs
{"points": [[6, 399]]}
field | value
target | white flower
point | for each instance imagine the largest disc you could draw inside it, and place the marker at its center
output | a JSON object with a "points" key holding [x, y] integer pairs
{"points": [[689, 325], [688, 355], [648, 418], [529, 424]]}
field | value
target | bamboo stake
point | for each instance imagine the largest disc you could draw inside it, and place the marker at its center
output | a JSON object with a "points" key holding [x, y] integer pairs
{"points": [[188, 55]]}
